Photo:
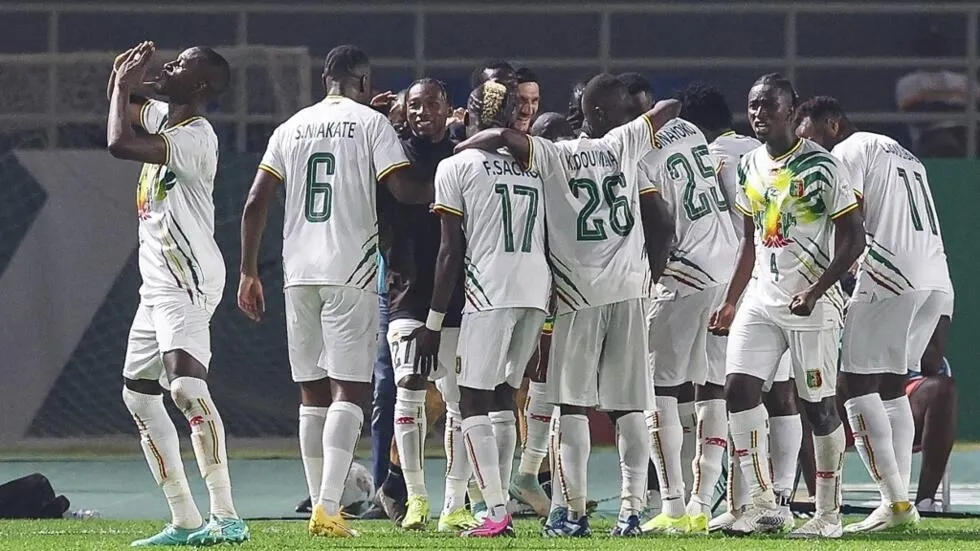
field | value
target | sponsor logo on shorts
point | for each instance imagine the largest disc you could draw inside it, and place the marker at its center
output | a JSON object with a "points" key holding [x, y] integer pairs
{"points": [[459, 365], [814, 379]]}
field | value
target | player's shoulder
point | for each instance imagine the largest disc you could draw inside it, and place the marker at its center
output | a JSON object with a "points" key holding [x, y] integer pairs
{"points": [[733, 144]]}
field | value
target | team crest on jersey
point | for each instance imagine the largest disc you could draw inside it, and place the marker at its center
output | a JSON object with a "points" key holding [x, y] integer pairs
{"points": [[814, 378], [796, 188]]}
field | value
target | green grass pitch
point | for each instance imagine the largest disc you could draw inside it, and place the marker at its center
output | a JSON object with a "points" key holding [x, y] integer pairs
{"points": [[102, 535]]}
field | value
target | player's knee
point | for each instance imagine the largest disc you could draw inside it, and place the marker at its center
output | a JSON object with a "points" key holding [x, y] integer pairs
{"points": [[781, 399], [143, 386], [822, 416], [742, 392], [316, 393], [937, 392], [412, 382], [185, 390], [504, 398]]}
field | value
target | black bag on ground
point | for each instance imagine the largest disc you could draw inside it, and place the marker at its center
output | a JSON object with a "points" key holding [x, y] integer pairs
{"points": [[31, 497]]}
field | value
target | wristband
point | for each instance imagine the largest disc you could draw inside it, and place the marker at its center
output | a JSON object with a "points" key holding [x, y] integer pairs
{"points": [[434, 320]]}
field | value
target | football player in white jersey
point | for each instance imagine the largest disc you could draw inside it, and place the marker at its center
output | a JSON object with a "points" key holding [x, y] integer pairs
{"points": [[331, 157], [903, 287], [183, 277], [598, 354], [698, 269], [493, 230], [706, 107], [796, 206]]}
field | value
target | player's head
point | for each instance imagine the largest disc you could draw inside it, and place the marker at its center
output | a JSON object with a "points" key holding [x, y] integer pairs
{"points": [[822, 120], [705, 106], [606, 104], [347, 71], [427, 104], [490, 105], [640, 91], [398, 115], [198, 75], [528, 98], [772, 104], [552, 126], [496, 69]]}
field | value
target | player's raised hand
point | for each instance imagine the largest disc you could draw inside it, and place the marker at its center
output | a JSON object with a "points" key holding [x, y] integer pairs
{"points": [[721, 320], [803, 303], [426, 349], [133, 67], [457, 116], [251, 300], [383, 100]]}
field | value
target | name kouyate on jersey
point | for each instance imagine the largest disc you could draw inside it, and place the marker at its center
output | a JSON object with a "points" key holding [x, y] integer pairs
{"points": [[178, 254], [793, 200]]}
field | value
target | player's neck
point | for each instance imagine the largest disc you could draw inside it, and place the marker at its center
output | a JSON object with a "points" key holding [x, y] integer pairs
{"points": [[777, 146], [179, 112], [844, 134], [712, 135]]}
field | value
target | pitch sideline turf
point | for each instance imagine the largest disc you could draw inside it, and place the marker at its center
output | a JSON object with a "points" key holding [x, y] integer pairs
{"points": [[103, 535]]}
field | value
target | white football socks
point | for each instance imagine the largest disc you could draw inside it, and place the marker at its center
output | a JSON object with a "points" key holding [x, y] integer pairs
{"points": [[785, 440], [634, 458], [537, 414], [667, 437], [873, 440], [410, 427], [574, 446], [829, 455], [481, 447], [458, 470], [899, 413], [687, 412], [559, 495], [311, 420], [158, 438], [750, 434], [712, 442], [738, 489], [504, 427], [208, 437], [340, 434]]}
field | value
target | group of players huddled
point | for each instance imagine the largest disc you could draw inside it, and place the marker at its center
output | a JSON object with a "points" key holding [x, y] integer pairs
{"points": [[635, 257]]}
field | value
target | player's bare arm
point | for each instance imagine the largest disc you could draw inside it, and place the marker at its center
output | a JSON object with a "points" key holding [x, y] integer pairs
{"points": [[658, 231], [492, 139], [449, 264], [850, 243], [123, 141], [722, 318], [251, 300], [407, 187], [136, 101]]}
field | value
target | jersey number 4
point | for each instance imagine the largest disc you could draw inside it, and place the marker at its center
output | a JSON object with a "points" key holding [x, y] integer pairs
{"points": [[507, 215], [913, 209], [593, 228], [318, 205], [696, 205]]}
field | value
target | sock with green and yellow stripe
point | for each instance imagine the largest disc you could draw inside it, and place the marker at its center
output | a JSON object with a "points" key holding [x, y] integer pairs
{"points": [[750, 435]]}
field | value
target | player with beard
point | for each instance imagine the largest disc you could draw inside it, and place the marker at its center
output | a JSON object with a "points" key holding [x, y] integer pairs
{"points": [[183, 275], [410, 237], [795, 206]]}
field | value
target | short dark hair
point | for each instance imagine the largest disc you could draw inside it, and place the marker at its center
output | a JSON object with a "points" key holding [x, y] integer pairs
{"points": [[603, 87], [219, 71], [477, 78], [636, 83], [552, 126], [778, 81], [343, 61], [705, 106], [525, 75], [426, 81], [818, 108]]}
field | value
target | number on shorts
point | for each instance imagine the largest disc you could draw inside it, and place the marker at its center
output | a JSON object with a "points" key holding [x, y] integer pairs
{"points": [[593, 228], [507, 217], [319, 191]]}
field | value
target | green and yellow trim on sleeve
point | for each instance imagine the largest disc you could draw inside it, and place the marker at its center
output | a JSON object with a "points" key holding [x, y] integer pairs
{"points": [[392, 168], [741, 209], [650, 189], [146, 105], [844, 211], [272, 171], [169, 145], [530, 151], [858, 194], [446, 209], [653, 131]]}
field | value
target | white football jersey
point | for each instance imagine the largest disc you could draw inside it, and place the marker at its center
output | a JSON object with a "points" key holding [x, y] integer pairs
{"points": [[905, 243], [177, 250], [727, 149], [503, 219], [592, 194], [331, 157], [703, 251], [794, 200]]}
